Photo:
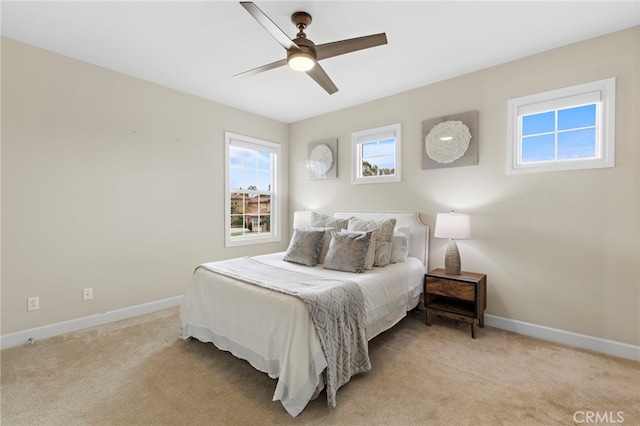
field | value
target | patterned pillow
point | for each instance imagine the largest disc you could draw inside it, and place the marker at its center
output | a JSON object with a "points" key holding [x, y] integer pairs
{"points": [[383, 240], [347, 251], [305, 246], [319, 220], [371, 250]]}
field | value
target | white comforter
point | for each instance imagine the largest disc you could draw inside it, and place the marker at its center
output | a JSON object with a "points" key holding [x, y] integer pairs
{"points": [[274, 332]]}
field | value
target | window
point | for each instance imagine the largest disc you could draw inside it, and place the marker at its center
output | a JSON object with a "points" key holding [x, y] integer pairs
{"points": [[565, 129], [376, 155], [252, 201]]}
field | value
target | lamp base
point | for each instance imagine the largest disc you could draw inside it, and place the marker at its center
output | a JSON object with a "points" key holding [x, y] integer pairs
{"points": [[452, 259]]}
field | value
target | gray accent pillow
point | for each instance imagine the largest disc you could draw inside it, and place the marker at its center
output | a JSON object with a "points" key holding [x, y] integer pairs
{"points": [[347, 251], [325, 243], [319, 220], [383, 239], [305, 246], [371, 250]]}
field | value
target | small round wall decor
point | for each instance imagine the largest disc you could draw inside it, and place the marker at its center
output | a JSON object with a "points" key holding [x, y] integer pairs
{"points": [[447, 141], [320, 159]]}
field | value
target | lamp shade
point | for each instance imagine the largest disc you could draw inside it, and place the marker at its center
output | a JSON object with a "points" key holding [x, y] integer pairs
{"points": [[301, 219], [455, 226]]}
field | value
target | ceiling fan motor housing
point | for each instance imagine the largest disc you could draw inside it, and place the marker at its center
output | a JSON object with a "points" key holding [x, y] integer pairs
{"points": [[305, 45]]}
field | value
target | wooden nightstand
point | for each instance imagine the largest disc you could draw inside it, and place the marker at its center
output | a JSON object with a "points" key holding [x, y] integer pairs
{"points": [[461, 297]]}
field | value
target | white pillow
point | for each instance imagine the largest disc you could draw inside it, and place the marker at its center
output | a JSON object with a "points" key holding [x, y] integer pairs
{"points": [[400, 244]]}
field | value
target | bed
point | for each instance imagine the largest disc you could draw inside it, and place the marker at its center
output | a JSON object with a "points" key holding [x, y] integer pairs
{"points": [[277, 331]]}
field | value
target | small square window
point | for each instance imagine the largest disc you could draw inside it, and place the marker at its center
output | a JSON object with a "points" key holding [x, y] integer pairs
{"points": [[376, 155], [564, 129]]}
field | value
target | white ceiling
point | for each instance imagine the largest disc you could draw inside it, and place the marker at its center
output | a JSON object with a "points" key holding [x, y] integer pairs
{"points": [[197, 47]]}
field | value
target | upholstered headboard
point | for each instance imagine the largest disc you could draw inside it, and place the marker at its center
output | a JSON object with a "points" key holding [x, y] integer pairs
{"points": [[419, 239]]}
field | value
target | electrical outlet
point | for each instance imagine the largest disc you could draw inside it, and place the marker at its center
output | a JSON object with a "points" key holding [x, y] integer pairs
{"points": [[33, 303], [87, 294]]}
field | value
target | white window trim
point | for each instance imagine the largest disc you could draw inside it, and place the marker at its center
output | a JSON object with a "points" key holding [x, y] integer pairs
{"points": [[556, 99], [356, 140], [275, 234]]}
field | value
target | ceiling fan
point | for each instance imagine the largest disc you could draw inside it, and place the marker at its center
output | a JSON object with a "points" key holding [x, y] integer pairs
{"points": [[303, 54]]}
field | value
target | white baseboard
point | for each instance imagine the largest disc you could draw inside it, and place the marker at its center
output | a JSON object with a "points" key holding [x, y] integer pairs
{"points": [[583, 341], [609, 347], [44, 332]]}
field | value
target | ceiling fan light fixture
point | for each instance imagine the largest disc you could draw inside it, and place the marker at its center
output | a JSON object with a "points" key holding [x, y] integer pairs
{"points": [[301, 61]]}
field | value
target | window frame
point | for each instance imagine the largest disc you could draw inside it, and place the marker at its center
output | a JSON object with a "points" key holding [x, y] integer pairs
{"points": [[234, 139], [370, 135], [559, 99]]}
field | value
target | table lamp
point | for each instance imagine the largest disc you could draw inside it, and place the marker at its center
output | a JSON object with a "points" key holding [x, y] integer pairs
{"points": [[301, 219], [454, 226]]}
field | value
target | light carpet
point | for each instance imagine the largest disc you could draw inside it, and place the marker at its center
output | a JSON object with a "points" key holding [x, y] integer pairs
{"points": [[139, 372]]}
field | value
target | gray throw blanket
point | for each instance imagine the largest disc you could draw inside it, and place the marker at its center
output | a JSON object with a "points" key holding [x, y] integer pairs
{"points": [[336, 308]]}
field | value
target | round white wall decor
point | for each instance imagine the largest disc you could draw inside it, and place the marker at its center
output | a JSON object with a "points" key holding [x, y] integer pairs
{"points": [[320, 159], [447, 141]]}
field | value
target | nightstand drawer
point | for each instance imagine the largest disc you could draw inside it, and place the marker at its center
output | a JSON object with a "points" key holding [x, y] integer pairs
{"points": [[450, 288]]}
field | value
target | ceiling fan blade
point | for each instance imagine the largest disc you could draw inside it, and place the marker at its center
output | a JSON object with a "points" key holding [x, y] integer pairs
{"points": [[329, 50], [263, 68], [320, 76], [268, 24]]}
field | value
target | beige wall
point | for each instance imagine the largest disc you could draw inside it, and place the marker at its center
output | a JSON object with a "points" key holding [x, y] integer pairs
{"points": [[108, 182], [114, 183], [560, 249]]}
